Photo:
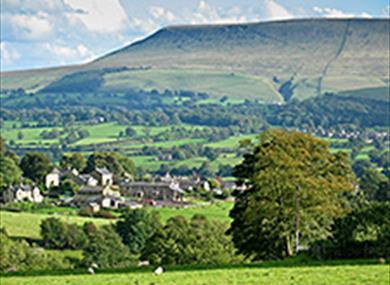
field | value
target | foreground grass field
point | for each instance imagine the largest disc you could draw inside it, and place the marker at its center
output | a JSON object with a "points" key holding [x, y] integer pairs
{"points": [[250, 275]]}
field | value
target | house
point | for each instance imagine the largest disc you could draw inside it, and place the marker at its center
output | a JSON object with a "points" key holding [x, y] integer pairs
{"points": [[21, 193], [104, 196], [158, 191], [85, 179], [103, 176], [52, 179]]}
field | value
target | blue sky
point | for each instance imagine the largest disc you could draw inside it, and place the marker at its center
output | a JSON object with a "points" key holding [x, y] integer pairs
{"points": [[42, 33]]}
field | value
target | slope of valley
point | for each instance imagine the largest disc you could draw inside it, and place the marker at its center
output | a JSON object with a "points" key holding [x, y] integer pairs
{"points": [[263, 61]]}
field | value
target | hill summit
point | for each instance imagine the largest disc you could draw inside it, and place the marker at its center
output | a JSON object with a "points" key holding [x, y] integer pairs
{"points": [[267, 61]]}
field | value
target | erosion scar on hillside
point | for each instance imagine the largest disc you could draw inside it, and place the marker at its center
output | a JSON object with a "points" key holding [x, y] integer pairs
{"points": [[339, 51]]}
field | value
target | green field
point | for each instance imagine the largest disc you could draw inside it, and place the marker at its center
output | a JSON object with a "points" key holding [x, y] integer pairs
{"points": [[216, 83], [245, 275], [28, 224]]}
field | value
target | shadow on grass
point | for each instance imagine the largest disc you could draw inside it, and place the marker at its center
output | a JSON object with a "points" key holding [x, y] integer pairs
{"points": [[289, 263]]}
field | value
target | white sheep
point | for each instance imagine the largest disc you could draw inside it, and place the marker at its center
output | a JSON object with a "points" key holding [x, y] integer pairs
{"points": [[159, 270]]}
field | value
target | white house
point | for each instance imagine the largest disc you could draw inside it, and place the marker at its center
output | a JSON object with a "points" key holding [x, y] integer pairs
{"points": [[21, 192]]}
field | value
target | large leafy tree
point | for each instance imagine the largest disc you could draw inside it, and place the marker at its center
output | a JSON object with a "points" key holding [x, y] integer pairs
{"points": [[35, 165], [106, 249], [296, 188], [136, 226]]}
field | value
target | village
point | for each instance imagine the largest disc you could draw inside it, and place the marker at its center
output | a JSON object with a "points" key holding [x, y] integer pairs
{"points": [[101, 189]]}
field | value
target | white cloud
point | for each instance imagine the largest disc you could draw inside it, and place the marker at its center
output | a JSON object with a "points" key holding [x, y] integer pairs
{"points": [[80, 52], [161, 13], [335, 13], [8, 55], [31, 27], [275, 11], [103, 16], [207, 14]]}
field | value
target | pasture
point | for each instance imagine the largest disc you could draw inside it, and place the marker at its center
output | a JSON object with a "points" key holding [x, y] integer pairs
{"points": [[27, 225], [254, 274]]}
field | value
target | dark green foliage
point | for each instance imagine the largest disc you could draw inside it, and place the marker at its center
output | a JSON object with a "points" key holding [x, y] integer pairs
{"points": [[59, 235], [362, 233], [374, 185], [105, 248], [9, 172], [19, 256], [35, 166], [196, 242], [130, 132], [73, 161], [281, 169], [135, 227], [331, 110], [114, 162]]}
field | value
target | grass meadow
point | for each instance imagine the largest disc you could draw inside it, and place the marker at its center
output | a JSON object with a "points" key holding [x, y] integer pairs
{"points": [[253, 274]]}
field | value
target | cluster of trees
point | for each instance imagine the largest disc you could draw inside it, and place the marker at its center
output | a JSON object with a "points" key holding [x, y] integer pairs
{"points": [[331, 110], [140, 235], [300, 196], [20, 256]]}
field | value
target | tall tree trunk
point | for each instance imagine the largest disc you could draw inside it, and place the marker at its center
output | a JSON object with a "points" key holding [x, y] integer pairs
{"points": [[289, 246]]}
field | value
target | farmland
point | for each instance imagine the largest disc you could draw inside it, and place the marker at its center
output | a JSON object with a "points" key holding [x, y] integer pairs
{"points": [[106, 136], [27, 225], [249, 275]]}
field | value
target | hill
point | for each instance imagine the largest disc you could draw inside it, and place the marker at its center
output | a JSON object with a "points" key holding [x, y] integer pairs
{"points": [[266, 61]]}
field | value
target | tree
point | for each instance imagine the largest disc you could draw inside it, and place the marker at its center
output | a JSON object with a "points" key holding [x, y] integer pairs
{"points": [[59, 235], [73, 161], [374, 185], [10, 172], [35, 166], [53, 233], [135, 227], [105, 248], [114, 162], [130, 132], [20, 135], [296, 188], [196, 242]]}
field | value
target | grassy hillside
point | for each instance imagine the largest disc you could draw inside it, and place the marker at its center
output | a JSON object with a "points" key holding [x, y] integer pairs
{"points": [[248, 275], [239, 61]]}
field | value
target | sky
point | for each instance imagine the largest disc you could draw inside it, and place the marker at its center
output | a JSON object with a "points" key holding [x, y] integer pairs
{"points": [[43, 33]]}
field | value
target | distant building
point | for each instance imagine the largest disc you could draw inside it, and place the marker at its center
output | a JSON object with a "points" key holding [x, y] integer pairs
{"points": [[22, 193], [158, 191], [104, 176], [104, 196], [52, 179], [85, 180]]}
